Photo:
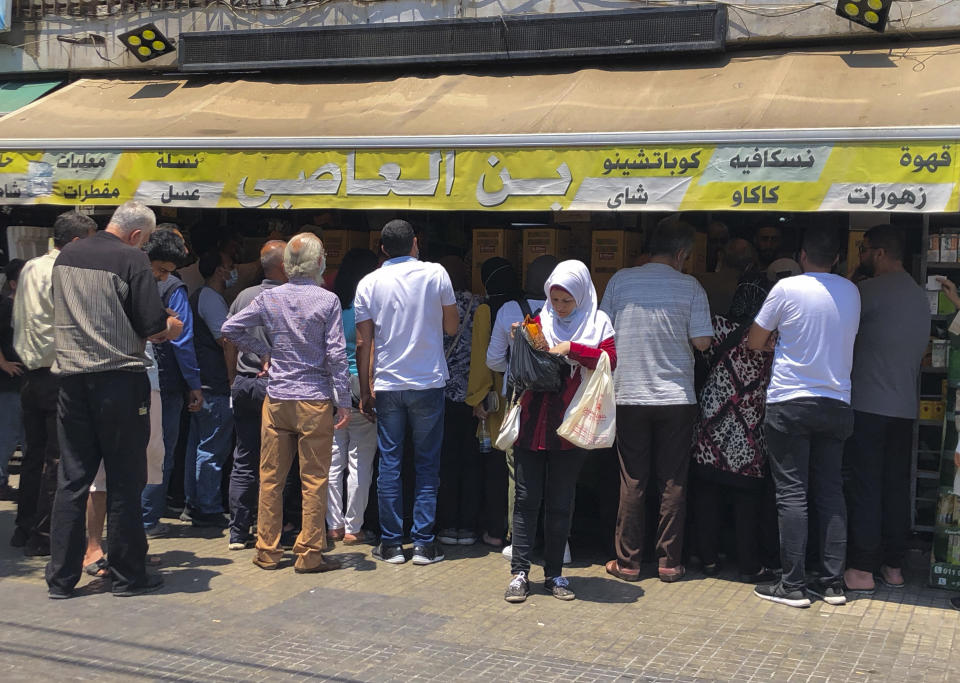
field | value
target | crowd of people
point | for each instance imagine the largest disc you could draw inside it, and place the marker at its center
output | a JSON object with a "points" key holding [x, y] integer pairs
{"points": [[770, 386]]}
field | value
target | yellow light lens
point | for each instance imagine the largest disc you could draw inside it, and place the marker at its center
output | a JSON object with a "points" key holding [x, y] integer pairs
{"points": [[875, 4], [148, 35], [158, 45], [144, 50], [871, 17], [134, 40], [851, 9]]}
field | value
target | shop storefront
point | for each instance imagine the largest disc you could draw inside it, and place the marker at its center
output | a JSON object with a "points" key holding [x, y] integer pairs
{"points": [[862, 138]]}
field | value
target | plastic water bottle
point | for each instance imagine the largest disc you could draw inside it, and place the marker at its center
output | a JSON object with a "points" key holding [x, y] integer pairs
{"points": [[483, 436]]}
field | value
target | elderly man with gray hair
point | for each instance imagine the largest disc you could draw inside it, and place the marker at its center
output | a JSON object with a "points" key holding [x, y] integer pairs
{"points": [[106, 307], [308, 396]]}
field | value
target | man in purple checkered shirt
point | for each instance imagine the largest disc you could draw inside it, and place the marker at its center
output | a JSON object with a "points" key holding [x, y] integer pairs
{"points": [[308, 376]]}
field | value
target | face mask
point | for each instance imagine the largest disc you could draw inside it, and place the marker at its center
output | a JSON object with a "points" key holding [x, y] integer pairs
{"points": [[232, 279]]}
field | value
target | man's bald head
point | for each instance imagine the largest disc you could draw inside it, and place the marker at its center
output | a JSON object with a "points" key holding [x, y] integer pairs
{"points": [[271, 260]]}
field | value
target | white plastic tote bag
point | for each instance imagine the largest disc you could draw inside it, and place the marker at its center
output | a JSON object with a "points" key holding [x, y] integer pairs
{"points": [[591, 418], [509, 428]]}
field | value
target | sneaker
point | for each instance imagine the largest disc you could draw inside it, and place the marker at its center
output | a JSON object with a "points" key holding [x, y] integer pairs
{"points": [[448, 537], [152, 582], [391, 554], [466, 537], [158, 530], [519, 588], [58, 594], [507, 552], [239, 545], [559, 587], [327, 564], [763, 576], [775, 592], [831, 593], [566, 556], [427, 553], [215, 520], [185, 515]]}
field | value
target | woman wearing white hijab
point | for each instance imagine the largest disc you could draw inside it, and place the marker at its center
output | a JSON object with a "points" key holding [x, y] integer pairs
{"points": [[547, 466]]}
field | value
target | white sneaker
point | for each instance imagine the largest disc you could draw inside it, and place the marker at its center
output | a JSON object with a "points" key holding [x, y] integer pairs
{"points": [[448, 537], [507, 552], [566, 554]]}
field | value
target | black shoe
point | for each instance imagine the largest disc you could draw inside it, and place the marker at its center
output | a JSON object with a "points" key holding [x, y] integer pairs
{"points": [[955, 603], [37, 547], [58, 594], [775, 592], [711, 569], [288, 538], [19, 538], [427, 553], [152, 582], [216, 520], [519, 588], [559, 588], [831, 593], [391, 554], [763, 576], [7, 492]]}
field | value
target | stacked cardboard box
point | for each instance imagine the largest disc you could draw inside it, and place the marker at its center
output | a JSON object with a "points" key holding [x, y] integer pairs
{"points": [[610, 251], [490, 242], [538, 242], [338, 242]]}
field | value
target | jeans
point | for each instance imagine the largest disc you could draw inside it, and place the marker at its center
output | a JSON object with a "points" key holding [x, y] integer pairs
{"points": [[353, 451], [248, 395], [805, 445], [876, 474], [154, 497], [653, 440], [11, 428], [424, 410], [549, 477], [103, 416], [461, 470], [41, 454], [211, 436]]}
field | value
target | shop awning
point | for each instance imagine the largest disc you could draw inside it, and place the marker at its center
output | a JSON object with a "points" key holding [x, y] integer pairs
{"points": [[16, 94], [800, 131]]}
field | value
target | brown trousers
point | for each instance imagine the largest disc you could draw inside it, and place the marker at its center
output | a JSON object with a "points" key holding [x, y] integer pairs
{"points": [[289, 427], [653, 438]]}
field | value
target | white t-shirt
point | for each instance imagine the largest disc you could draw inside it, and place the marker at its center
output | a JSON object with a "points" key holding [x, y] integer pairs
{"points": [[817, 316], [405, 300]]}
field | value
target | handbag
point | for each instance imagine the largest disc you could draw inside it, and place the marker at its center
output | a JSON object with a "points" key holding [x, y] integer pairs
{"points": [[532, 369], [590, 421], [509, 428]]}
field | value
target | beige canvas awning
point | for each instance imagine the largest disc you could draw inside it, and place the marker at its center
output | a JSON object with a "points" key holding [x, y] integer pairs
{"points": [[902, 93]]}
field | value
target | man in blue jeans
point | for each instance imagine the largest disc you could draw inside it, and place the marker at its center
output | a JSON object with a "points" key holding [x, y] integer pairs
{"points": [[808, 416], [211, 427], [176, 366], [402, 311]]}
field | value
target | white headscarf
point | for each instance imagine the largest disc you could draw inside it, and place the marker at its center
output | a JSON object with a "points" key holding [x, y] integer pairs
{"points": [[587, 324]]}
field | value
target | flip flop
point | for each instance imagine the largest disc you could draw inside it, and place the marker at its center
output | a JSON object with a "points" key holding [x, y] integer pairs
{"points": [[95, 568], [879, 579]]}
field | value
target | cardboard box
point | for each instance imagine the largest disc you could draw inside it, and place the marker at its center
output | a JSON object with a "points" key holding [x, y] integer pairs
{"points": [[948, 248], [697, 262], [338, 242], [933, 248], [490, 242], [610, 251], [538, 242], [375, 242]]}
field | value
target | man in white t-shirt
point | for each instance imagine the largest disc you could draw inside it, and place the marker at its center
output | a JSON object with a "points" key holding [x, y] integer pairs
{"points": [[402, 311], [808, 415]]}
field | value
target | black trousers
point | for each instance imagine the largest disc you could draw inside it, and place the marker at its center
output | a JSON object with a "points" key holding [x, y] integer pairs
{"points": [[549, 477], [461, 470], [755, 530], [103, 416], [493, 513], [805, 440], [41, 455], [876, 476], [248, 394]]}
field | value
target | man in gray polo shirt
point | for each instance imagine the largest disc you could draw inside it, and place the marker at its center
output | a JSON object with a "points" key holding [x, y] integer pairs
{"points": [[894, 330], [659, 316]]}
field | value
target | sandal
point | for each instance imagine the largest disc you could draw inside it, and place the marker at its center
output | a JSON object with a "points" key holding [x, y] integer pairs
{"points": [[100, 568], [361, 537], [335, 535], [614, 569], [492, 541], [671, 574]]}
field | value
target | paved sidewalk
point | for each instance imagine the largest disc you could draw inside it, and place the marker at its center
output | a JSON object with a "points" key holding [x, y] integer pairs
{"points": [[220, 618]]}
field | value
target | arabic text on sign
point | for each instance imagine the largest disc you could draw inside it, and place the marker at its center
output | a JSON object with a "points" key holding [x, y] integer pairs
{"points": [[758, 194], [931, 163], [771, 159], [661, 160]]}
